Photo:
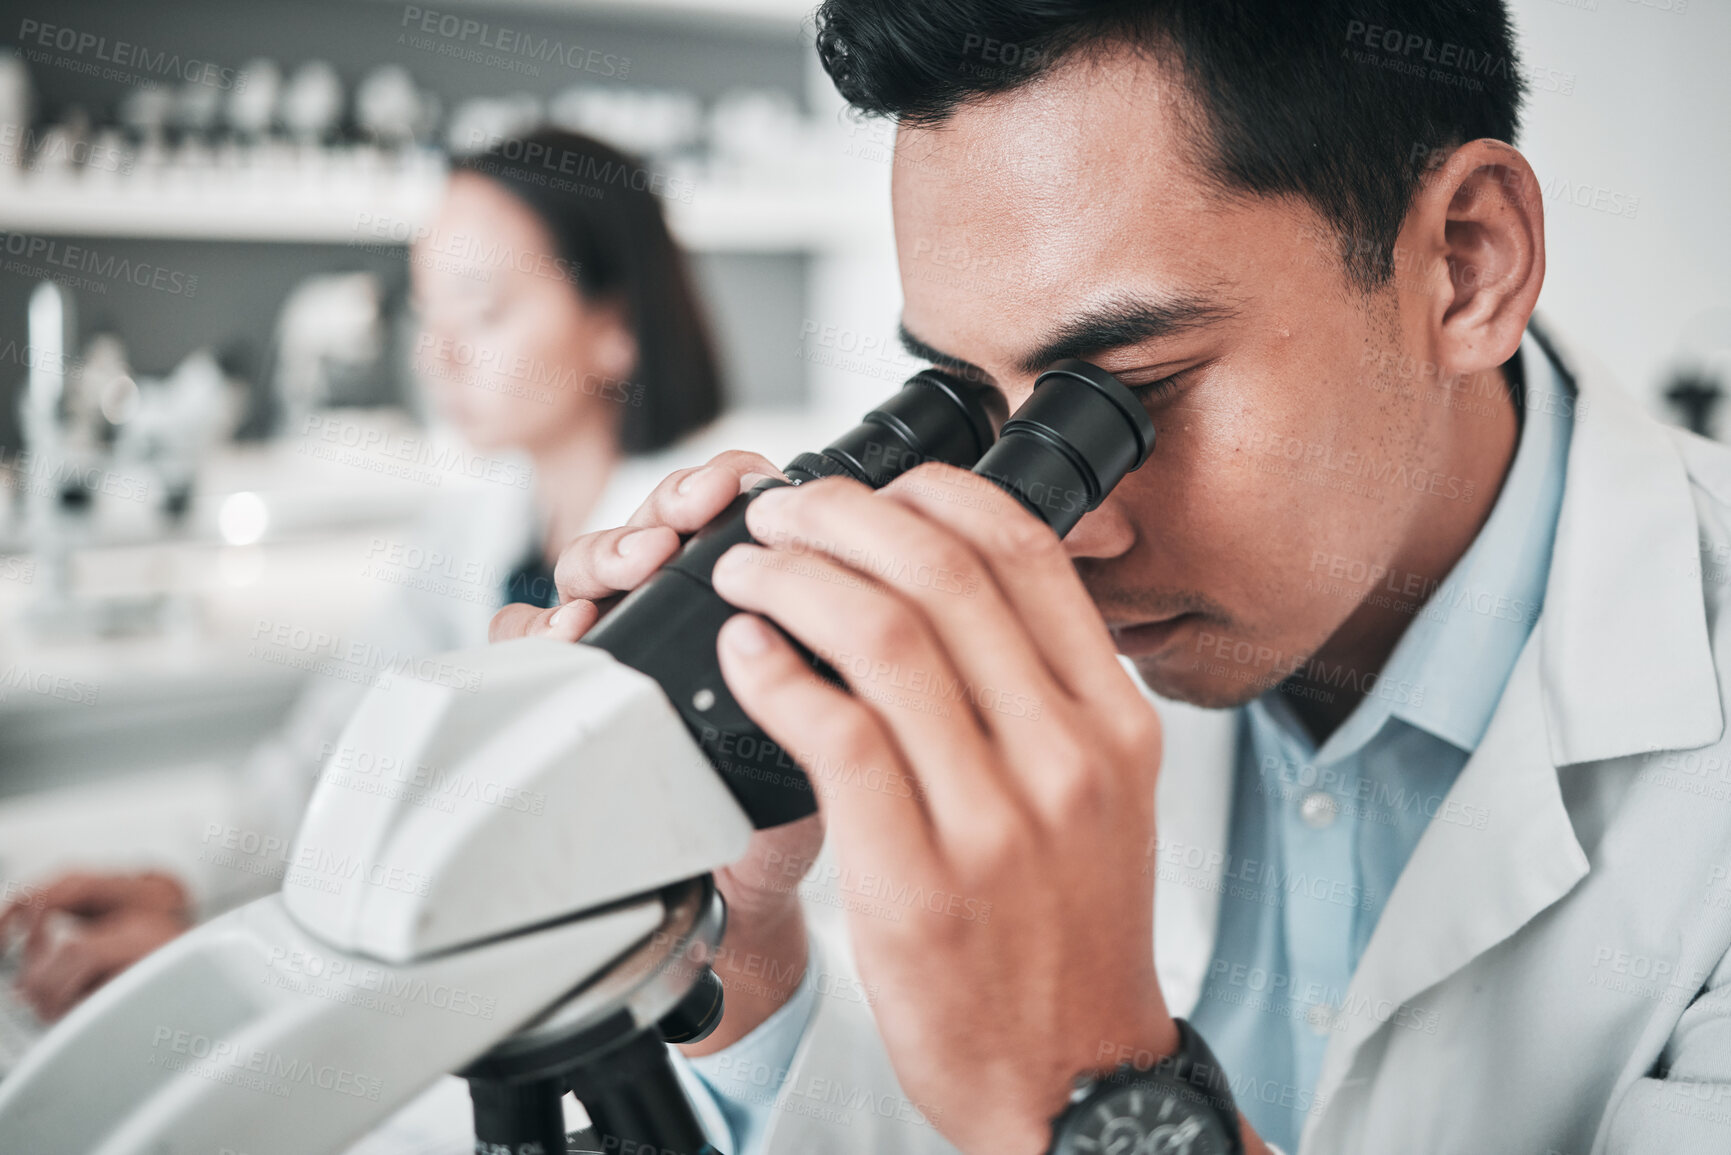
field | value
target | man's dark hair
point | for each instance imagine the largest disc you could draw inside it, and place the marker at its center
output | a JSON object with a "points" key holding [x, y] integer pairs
{"points": [[597, 204], [1339, 102]]}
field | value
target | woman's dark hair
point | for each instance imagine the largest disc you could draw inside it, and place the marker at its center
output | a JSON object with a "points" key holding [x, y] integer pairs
{"points": [[600, 207], [1341, 103]]}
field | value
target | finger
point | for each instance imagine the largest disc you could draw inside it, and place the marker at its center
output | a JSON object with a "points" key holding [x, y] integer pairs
{"points": [[71, 982], [71, 895], [16, 913], [564, 623], [827, 731], [1007, 678], [83, 893], [600, 564], [687, 500], [887, 653], [1028, 565], [45, 975]]}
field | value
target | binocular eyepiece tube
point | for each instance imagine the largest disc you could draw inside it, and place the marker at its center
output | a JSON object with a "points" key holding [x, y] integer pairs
{"points": [[1059, 454]]}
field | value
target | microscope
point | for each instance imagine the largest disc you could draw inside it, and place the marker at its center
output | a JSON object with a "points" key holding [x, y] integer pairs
{"points": [[553, 931]]}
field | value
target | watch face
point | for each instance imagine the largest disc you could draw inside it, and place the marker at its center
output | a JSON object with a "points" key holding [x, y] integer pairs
{"points": [[1144, 1119]]}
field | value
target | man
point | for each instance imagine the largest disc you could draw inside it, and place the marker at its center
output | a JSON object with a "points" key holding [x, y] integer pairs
{"points": [[1440, 866]]}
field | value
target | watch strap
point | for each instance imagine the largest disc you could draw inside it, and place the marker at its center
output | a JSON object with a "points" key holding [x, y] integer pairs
{"points": [[1191, 1072], [1194, 1065]]}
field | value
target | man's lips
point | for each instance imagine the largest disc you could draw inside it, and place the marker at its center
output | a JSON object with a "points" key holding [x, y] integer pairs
{"points": [[1149, 638]]}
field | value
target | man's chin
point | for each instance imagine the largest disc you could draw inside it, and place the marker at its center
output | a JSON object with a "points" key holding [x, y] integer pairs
{"points": [[1180, 678]]}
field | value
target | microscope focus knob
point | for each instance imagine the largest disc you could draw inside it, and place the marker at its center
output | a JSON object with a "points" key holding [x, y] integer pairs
{"points": [[697, 1014]]}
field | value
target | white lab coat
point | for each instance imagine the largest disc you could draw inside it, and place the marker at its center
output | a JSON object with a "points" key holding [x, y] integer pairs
{"points": [[1555, 983]]}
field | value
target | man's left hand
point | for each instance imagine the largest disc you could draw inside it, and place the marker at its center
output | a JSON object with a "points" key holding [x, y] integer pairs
{"points": [[989, 783]]}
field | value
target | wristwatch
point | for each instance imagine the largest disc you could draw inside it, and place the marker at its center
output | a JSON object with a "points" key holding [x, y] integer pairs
{"points": [[1181, 1105]]}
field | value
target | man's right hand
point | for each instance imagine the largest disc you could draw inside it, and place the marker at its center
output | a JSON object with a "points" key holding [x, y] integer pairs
{"points": [[763, 953]]}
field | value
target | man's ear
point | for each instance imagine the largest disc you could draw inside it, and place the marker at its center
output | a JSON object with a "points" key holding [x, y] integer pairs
{"points": [[1479, 222]]}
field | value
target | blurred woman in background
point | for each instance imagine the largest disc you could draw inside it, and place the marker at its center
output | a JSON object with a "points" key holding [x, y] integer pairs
{"points": [[558, 320]]}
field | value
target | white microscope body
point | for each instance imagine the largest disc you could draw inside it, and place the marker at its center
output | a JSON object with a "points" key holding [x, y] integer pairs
{"points": [[415, 928]]}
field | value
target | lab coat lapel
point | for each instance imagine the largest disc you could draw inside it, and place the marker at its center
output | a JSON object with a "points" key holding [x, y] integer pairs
{"points": [[1619, 663], [1498, 851], [1193, 805]]}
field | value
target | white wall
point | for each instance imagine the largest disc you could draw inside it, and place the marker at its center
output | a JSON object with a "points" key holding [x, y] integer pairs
{"points": [[1631, 110]]}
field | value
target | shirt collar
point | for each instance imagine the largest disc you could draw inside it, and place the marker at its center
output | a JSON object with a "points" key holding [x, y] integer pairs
{"points": [[1448, 670]]}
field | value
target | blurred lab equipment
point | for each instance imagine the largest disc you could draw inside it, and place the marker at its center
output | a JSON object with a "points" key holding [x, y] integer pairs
{"points": [[253, 105], [330, 338], [392, 110], [481, 122], [312, 102], [649, 122]]}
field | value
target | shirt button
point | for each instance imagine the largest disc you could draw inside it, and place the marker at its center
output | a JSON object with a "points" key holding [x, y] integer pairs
{"points": [[1320, 1016], [1318, 809]]}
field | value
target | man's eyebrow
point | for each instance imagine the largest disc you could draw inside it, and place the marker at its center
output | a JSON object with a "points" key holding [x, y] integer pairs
{"points": [[924, 352], [1126, 321]]}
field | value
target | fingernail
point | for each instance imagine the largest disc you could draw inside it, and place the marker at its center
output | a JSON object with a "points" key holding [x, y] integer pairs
{"points": [[733, 559], [751, 480], [746, 635], [630, 542], [771, 499], [690, 479], [560, 619]]}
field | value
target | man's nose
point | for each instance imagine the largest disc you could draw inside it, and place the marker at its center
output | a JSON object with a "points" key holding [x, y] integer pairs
{"points": [[1103, 533]]}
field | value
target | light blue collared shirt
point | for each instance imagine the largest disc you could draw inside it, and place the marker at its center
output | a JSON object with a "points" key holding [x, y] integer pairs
{"points": [[744, 1079], [1319, 836]]}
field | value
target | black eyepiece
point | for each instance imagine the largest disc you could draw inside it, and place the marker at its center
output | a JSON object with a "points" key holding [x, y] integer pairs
{"points": [[1075, 438], [933, 418]]}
